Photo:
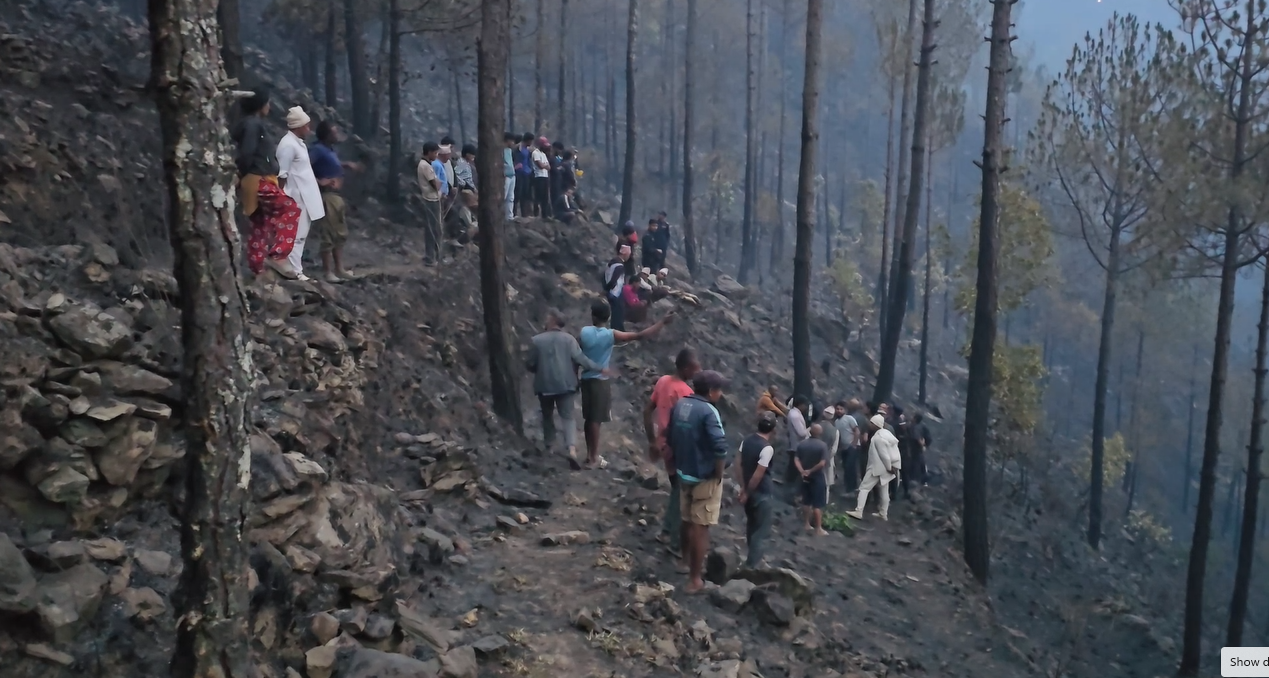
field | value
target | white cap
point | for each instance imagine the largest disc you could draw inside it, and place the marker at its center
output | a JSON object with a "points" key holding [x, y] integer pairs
{"points": [[296, 118]]}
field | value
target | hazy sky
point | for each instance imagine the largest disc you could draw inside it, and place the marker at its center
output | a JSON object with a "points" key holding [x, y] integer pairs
{"points": [[1052, 27]]}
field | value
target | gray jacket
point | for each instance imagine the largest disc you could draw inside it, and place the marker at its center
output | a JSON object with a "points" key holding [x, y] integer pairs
{"points": [[553, 359]]}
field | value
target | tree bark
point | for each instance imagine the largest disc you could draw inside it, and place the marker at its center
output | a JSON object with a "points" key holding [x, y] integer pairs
{"points": [[539, 81], [627, 180], [1104, 350], [778, 235], [748, 257], [883, 279], [229, 15], [1192, 637], [492, 55], [1134, 466], [381, 72], [902, 172], [332, 84], [802, 384], [1251, 493], [358, 80], [458, 103], [212, 601], [983, 341], [396, 142], [308, 63], [1189, 435], [689, 121], [925, 294], [905, 241], [562, 44]]}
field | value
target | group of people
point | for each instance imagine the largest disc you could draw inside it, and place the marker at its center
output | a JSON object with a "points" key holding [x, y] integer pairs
{"points": [[448, 187], [630, 290], [288, 188], [541, 178]]}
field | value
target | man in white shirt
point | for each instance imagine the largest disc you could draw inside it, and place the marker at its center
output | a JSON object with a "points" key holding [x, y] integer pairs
{"points": [[542, 177], [883, 466], [295, 174]]}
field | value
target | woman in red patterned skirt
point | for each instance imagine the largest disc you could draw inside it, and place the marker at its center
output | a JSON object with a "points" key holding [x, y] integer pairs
{"points": [[274, 215]]}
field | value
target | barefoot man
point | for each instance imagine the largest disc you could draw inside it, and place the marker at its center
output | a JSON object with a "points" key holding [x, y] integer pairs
{"points": [[668, 391], [699, 446], [811, 458]]}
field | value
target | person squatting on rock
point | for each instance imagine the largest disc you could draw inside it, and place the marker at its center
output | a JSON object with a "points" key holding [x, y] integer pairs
{"points": [[554, 357], [295, 175], [753, 461], [883, 466], [811, 458], [699, 445], [431, 185], [273, 214], [769, 401], [597, 342], [332, 230], [614, 285], [668, 390]]}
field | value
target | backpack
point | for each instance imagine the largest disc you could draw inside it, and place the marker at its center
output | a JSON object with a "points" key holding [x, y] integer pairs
{"points": [[605, 283]]}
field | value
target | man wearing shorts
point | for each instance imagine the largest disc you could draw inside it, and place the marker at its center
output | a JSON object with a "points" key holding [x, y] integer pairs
{"points": [[554, 357], [699, 446], [811, 458], [597, 342], [667, 392]]}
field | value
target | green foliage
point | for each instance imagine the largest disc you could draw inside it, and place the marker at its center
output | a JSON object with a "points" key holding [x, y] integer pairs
{"points": [[1026, 250], [839, 522], [1146, 528], [1114, 464], [1017, 381], [848, 283]]}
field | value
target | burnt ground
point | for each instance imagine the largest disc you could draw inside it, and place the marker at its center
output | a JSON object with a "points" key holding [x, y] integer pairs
{"points": [[893, 599]]}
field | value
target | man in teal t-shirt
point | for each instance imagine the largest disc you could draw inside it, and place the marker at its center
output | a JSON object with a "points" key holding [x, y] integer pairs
{"points": [[597, 342]]}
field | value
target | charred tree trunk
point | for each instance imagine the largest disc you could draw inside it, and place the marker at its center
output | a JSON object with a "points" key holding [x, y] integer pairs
{"points": [[627, 179], [902, 172], [1189, 436], [925, 293], [458, 103], [563, 64], [229, 15], [883, 279], [983, 342], [689, 120], [381, 72], [778, 236], [358, 79], [332, 83], [212, 601], [802, 384], [1104, 349], [492, 55], [308, 61], [1192, 645], [539, 77], [905, 241], [396, 143], [748, 257], [1134, 469], [1251, 493]]}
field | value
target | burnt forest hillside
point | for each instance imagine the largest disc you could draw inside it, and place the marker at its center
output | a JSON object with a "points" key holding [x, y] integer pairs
{"points": [[397, 527]]}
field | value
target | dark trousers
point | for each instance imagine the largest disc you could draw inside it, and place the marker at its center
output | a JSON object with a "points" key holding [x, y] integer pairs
{"points": [[432, 230], [524, 195], [759, 514], [852, 468], [542, 193], [653, 261], [618, 319]]}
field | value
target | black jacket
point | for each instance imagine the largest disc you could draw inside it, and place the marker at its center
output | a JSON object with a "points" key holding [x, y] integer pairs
{"points": [[257, 148]]}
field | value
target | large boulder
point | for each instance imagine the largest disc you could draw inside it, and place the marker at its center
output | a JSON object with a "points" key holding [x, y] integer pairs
{"points": [[65, 486], [121, 458], [790, 584], [68, 600], [728, 287], [17, 439], [125, 379], [366, 663], [17, 580], [91, 332]]}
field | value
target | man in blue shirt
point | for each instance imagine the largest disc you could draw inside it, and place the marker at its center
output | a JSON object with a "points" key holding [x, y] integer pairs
{"points": [[439, 168], [699, 446], [332, 229], [597, 342]]}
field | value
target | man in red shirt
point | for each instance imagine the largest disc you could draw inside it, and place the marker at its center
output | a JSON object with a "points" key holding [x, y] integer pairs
{"points": [[656, 419]]}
